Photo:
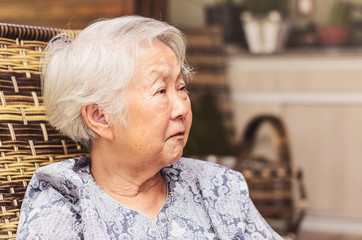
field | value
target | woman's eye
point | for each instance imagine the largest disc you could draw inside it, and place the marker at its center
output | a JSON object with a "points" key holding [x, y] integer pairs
{"points": [[161, 91], [183, 88]]}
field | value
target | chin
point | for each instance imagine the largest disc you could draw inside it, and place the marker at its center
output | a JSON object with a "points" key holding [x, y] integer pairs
{"points": [[176, 156], [172, 153], [179, 155]]}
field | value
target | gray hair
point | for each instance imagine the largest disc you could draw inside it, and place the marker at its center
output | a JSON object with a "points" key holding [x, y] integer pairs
{"points": [[97, 67]]}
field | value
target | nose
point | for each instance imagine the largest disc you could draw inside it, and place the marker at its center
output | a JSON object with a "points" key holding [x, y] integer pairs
{"points": [[180, 104]]}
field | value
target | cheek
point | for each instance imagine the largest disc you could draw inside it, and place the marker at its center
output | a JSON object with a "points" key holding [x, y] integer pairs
{"points": [[146, 110], [189, 117], [154, 121]]}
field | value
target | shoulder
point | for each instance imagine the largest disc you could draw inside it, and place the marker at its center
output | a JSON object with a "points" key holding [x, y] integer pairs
{"points": [[63, 177], [71, 165], [64, 169], [218, 191], [50, 206], [200, 168], [206, 174]]}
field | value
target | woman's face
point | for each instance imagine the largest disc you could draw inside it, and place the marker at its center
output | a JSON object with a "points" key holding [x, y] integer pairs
{"points": [[158, 112]]}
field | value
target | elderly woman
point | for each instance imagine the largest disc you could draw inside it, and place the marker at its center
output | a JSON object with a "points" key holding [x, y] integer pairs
{"points": [[119, 88]]}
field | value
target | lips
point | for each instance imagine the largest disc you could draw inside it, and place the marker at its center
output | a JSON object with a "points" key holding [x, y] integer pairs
{"points": [[178, 134]]}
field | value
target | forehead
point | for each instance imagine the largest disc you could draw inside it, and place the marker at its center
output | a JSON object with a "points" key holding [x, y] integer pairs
{"points": [[158, 58]]}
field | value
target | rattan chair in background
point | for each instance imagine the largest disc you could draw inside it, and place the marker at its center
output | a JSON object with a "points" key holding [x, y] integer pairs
{"points": [[27, 141], [276, 187]]}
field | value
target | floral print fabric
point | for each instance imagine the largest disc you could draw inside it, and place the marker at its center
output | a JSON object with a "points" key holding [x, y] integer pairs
{"points": [[205, 201]]}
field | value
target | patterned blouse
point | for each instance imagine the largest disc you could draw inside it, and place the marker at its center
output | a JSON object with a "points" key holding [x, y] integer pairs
{"points": [[205, 201]]}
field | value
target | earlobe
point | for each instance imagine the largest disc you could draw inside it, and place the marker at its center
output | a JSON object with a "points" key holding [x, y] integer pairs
{"points": [[96, 119]]}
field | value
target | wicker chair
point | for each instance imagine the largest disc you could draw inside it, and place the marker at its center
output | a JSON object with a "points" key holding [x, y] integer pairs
{"points": [[276, 187], [27, 142]]}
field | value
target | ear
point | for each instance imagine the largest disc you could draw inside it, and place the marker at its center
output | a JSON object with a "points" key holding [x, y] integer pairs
{"points": [[97, 120]]}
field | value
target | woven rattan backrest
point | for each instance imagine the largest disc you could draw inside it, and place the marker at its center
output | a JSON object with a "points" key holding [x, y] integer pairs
{"points": [[249, 138], [27, 141], [276, 187]]}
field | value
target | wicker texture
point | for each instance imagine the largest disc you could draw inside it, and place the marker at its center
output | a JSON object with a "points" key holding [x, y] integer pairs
{"points": [[27, 141], [276, 188], [23, 32]]}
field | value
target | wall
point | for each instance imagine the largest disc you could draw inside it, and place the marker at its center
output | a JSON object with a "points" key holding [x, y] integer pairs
{"points": [[61, 13], [189, 13]]}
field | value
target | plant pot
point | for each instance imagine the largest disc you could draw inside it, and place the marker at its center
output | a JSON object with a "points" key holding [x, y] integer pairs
{"points": [[265, 34], [333, 35]]}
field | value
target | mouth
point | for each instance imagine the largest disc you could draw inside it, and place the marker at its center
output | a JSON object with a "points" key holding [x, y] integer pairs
{"points": [[178, 134]]}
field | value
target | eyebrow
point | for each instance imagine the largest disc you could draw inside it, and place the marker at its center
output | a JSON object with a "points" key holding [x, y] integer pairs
{"points": [[159, 71], [165, 72]]}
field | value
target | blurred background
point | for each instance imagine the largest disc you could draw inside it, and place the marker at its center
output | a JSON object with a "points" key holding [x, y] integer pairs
{"points": [[277, 91]]}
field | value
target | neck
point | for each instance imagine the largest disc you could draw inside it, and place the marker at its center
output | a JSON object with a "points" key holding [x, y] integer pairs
{"points": [[138, 188], [125, 185]]}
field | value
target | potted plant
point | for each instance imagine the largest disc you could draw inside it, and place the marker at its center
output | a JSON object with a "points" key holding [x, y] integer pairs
{"points": [[265, 24], [336, 32]]}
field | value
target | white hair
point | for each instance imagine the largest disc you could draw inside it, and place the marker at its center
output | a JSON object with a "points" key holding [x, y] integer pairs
{"points": [[96, 68]]}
